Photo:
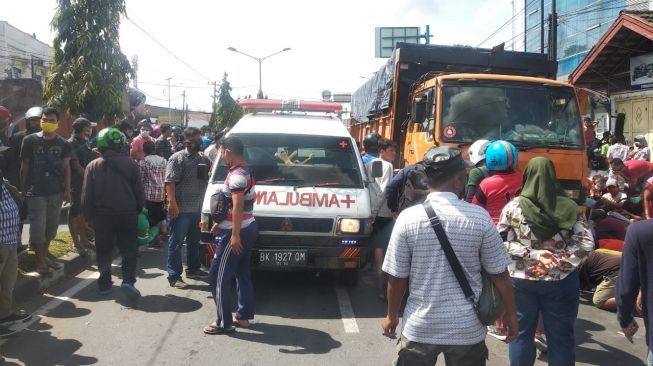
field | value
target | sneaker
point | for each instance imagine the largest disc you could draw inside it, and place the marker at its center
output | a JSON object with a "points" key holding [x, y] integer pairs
{"points": [[180, 284], [540, 343], [197, 275], [494, 332], [130, 291], [16, 317]]}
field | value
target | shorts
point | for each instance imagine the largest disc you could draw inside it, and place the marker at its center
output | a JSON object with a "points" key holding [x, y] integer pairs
{"points": [[44, 213], [422, 354], [605, 290], [75, 208], [381, 231]]}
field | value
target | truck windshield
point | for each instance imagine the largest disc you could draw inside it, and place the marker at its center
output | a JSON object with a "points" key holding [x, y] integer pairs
{"points": [[524, 113], [299, 160]]}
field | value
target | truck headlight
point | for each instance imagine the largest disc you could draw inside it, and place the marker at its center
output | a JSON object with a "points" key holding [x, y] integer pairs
{"points": [[349, 226]]}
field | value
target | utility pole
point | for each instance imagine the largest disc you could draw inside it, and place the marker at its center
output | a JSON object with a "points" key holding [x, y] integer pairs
{"points": [[214, 112], [186, 117], [183, 111], [553, 33], [135, 67], [169, 118], [541, 26]]}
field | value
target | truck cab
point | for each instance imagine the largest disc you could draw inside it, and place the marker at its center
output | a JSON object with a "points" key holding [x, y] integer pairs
{"points": [[312, 200]]}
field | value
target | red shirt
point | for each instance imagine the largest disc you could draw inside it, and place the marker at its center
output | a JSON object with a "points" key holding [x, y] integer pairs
{"points": [[637, 168], [496, 191]]}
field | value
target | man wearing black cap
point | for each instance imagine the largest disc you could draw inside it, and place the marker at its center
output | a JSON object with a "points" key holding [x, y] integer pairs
{"points": [[81, 156], [433, 323]]}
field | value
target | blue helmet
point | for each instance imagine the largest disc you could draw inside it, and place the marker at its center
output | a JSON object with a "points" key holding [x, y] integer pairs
{"points": [[501, 155]]}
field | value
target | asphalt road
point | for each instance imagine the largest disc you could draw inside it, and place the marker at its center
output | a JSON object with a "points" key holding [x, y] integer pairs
{"points": [[302, 319]]}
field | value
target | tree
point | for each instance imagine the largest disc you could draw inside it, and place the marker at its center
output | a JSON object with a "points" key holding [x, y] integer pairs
{"points": [[89, 72], [228, 112]]}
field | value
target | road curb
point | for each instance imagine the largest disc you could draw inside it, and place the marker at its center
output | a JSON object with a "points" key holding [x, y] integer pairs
{"points": [[33, 284]]}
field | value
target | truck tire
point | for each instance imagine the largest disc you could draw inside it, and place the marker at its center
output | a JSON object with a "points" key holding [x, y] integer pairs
{"points": [[348, 277]]}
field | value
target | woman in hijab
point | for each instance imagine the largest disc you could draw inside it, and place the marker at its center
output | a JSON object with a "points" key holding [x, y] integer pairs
{"points": [[641, 150], [547, 237]]}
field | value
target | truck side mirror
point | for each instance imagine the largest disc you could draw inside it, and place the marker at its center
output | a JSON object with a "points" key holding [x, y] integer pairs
{"points": [[377, 169]]}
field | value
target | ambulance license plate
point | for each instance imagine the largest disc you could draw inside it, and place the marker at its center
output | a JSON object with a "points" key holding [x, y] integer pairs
{"points": [[282, 258]]}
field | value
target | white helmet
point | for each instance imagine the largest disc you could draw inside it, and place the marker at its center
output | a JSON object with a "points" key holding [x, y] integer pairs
{"points": [[34, 112], [477, 151]]}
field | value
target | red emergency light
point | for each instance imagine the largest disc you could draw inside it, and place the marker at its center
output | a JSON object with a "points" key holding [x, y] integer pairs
{"points": [[289, 105]]}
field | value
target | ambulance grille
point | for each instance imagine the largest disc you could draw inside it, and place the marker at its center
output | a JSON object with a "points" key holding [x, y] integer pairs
{"points": [[294, 224]]}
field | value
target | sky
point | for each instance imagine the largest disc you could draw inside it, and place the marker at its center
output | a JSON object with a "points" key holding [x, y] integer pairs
{"points": [[332, 42]]}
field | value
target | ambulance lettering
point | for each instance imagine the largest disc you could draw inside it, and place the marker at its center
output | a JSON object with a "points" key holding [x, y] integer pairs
{"points": [[303, 199]]}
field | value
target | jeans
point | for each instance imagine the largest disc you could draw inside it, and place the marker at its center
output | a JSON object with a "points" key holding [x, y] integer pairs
{"points": [[118, 230], [225, 266], [557, 301], [185, 226]]}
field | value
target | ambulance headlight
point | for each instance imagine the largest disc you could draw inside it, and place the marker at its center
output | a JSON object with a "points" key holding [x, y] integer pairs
{"points": [[349, 226]]}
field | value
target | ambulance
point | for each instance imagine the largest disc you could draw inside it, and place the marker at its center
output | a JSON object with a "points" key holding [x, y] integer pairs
{"points": [[312, 199]]}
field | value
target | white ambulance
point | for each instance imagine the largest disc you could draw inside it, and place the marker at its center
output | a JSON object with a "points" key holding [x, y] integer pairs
{"points": [[312, 198]]}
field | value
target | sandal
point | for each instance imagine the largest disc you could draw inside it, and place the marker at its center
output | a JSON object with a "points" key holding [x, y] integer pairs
{"points": [[242, 323], [213, 329], [44, 272]]}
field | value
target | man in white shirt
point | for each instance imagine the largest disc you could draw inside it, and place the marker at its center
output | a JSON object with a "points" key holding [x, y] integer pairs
{"points": [[617, 149], [383, 221], [437, 317]]}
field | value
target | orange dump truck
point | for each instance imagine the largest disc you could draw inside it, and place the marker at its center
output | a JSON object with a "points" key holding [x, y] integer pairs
{"points": [[430, 95]]}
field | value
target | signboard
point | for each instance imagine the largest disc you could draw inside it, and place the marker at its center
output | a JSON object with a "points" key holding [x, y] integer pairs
{"points": [[386, 39], [641, 72], [342, 97]]}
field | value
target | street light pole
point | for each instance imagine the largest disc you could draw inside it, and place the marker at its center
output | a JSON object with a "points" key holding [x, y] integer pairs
{"points": [[260, 61], [169, 119]]}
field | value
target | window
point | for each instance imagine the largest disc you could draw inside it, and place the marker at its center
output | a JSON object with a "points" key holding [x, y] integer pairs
{"points": [[291, 160], [523, 113]]}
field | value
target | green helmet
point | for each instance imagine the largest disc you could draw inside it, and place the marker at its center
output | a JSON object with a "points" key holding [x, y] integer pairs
{"points": [[109, 138]]}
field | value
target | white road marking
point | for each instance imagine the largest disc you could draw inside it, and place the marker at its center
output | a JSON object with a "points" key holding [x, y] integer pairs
{"points": [[346, 311], [58, 300]]}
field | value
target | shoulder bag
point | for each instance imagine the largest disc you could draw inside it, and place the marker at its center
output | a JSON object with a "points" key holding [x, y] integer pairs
{"points": [[488, 305]]}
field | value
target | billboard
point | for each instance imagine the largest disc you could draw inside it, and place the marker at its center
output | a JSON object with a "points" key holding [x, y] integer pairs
{"points": [[386, 39], [641, 72]]}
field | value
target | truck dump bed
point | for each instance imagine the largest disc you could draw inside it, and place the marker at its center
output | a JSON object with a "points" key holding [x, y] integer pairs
{"points": [[411, 61]]}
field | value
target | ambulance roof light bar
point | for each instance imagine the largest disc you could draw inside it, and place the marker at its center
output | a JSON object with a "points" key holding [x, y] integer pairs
{"points": [[290, 105]]}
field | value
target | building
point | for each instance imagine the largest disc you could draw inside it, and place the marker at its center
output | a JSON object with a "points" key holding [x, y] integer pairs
{"points": [[580, 25], [22, 56], [620, 67]]}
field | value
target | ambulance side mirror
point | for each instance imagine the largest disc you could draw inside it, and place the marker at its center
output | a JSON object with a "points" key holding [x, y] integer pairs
{"points": [[377, 169]]}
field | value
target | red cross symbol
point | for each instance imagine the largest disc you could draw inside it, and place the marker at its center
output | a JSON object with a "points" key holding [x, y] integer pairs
{"points": [[348, 201], [343, 144]]}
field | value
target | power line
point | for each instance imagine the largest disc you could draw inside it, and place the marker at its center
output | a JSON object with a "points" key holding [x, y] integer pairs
{"points": [[167, 50], [505, 24]]}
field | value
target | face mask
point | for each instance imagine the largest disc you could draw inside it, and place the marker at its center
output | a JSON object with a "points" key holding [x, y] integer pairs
{"points": [[49, 127], [145, 133]]}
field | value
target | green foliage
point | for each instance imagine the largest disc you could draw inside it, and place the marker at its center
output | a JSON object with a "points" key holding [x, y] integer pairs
{"points": [[89, 73], [228, 112]]}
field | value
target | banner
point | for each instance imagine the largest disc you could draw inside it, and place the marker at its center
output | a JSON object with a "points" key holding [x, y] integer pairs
{"points": [[641, 72]]}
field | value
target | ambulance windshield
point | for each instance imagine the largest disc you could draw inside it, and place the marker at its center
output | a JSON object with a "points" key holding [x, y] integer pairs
{"points": [[294, 160]]}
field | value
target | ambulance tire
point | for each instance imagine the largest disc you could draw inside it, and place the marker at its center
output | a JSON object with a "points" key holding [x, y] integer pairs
{"points": [[348, 277]]}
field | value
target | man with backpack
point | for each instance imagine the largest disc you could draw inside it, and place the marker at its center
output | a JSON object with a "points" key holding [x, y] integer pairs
{"points": [[407, 188]]}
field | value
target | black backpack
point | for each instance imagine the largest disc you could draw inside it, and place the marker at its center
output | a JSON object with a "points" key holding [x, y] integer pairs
{"points": [[415, 188]]}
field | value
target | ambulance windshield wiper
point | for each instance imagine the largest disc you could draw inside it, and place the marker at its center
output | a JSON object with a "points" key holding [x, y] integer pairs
{"points": [[278, 180], [327, 184]]}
